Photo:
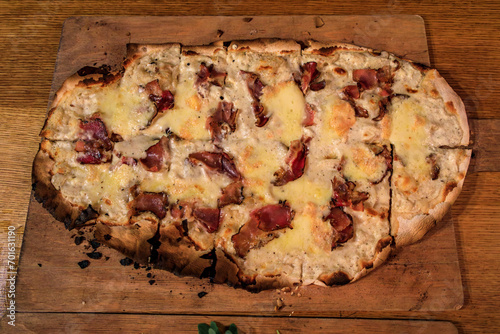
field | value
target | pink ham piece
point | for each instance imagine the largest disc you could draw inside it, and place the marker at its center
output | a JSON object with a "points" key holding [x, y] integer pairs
{"points": [[222, 121], [382, 108], [231, 194], [208, 217], [308, 79], [163, 99], [255, 87], [219, 162], [342, 226], [259, 230], [310, 113], [351, 91], [94, 129], [153, 202], [345, 195], [367, 78], [249, 236], [157, 156], [296, 161], [273, 217], [208, 75], [92, 153], [95, 145]]}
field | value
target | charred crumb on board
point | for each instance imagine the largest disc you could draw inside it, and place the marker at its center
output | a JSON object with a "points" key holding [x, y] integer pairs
{"points": [[126, 261], [95, 255], [279, 304], [94, 244], [84, 264], [79, 240], [202, 294]]}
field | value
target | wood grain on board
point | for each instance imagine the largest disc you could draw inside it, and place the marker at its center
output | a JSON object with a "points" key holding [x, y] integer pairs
{"points": [[133, 323]]}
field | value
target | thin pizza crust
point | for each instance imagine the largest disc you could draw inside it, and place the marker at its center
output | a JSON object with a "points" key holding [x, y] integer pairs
{"points": [[453, 103], [276, 46], [62, 209], [408, 231], [87, 77], [164, 243]]}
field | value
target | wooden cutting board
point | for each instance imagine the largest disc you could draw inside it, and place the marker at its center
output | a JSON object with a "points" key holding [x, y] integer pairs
{"points": [[424, 276]]}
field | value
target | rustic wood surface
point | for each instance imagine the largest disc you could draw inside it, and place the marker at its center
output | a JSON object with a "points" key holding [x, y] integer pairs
{"points": [[133, 323], [463, 40]]}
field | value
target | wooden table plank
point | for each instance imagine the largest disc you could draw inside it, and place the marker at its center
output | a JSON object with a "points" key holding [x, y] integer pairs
{"points": [[464, 42], [132, 323], [485, 134]]}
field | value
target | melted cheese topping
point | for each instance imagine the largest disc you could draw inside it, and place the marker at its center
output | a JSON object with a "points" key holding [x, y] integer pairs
{"points": [[258, 161], [124, 111], [188, 117], [285, 104], [362, 164], [408, 136], [303, 191], [337, 118]]}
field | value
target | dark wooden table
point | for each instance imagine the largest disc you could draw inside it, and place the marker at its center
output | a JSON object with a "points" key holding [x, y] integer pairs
{"points": [[464, 45]]}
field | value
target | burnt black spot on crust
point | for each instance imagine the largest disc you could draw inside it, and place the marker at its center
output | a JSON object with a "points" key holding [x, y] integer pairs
{"points": [[337, 278], [383, 243], [326, 51], [209, 272], [107, 237], [88, 214], [420, 67], [448, 188], [190, 53], [367, 265], [88, 70], [155, 245]]}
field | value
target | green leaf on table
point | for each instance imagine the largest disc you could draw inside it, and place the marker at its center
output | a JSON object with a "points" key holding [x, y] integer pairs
{"points": [[232, 329], [203, 328], [214, 329]]}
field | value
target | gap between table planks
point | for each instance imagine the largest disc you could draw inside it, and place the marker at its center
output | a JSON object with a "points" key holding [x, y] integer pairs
{"points": [[410, 281]]}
